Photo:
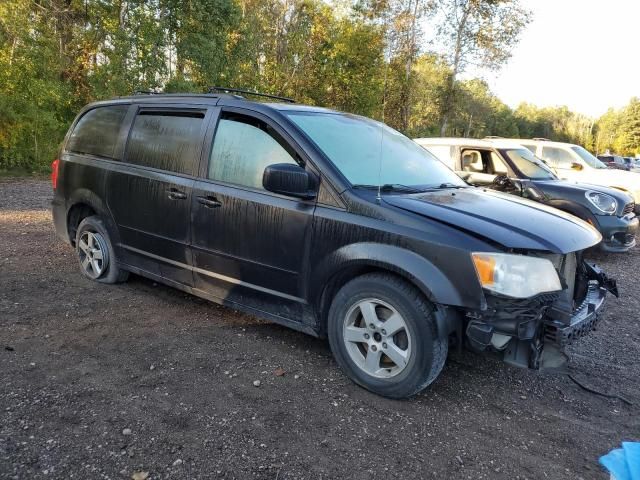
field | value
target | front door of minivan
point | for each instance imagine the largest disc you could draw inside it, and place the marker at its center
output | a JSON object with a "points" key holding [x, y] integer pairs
{"points": [[249, 245], [149, 194]]}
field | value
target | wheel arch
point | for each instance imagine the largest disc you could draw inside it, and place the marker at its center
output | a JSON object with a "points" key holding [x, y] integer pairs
{"points": [[355, 260], [84, 203], [576, 209]]}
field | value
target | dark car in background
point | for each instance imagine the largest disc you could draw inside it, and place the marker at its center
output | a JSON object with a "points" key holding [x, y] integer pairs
{"points": [[510, 168], [613, 161], [633, 164], [328, 223]]}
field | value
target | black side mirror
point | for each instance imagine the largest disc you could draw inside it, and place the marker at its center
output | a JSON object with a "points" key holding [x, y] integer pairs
{"points": [[289, 179]]}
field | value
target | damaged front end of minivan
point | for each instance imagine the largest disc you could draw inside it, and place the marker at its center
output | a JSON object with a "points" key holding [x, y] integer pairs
{"points": [[532, 314], [533, 291]]}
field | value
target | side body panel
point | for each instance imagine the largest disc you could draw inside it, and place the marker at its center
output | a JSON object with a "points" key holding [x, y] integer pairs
{"points": [[82, 180], [367, 236], [154, 227], [252, 248]]}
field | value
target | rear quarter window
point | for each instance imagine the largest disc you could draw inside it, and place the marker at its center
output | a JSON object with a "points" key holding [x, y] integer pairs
{"points": [[97, 131]]}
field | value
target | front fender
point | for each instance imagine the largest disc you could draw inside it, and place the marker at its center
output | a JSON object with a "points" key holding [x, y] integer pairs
{"points": [[431, 281]]}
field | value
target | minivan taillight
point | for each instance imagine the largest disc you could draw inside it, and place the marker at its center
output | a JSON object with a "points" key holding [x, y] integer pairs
{"points": [[55, 165]]}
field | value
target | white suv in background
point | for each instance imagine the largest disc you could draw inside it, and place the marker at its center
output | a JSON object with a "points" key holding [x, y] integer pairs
{"points": [[575, 163]]}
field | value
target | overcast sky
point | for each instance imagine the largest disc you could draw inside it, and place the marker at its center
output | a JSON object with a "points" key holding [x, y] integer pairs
{"points": [[583, 54]]}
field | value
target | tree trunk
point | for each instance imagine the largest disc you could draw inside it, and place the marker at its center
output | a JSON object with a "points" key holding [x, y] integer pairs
{"points": [[122, 13], [449, 97], [445, 124], [447, 108], [406, 110], [13, 49]]}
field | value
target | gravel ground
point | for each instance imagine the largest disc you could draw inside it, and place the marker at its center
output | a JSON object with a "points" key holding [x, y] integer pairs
{"points": [[139, 379]]}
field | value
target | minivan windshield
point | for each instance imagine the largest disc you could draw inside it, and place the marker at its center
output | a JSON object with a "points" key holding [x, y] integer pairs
{"points": [[369, 153], [529, 164], [588, 158]]}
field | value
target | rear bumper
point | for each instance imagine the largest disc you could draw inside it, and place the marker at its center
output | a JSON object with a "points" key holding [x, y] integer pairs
{"points": [[618, 233], [59, 214]]}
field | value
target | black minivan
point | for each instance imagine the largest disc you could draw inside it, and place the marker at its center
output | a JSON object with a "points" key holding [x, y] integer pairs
{"points": [[329, 223]]}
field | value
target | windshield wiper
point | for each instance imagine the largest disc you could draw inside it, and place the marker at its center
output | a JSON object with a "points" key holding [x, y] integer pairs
{"points": [[391, 187], [446, 185]]}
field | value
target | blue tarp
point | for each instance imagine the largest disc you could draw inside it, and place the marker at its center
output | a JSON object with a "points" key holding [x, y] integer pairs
{"points": [[623, 463]]}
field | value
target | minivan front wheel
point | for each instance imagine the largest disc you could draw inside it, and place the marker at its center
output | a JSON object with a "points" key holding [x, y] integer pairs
{"points": [[95, 252], [383, 334]]}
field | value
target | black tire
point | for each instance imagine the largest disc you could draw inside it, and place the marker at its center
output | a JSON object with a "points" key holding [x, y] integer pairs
{"points": [[109, 272], [428, 351]]}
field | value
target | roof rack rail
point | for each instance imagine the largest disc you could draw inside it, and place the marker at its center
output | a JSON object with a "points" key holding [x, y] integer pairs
{"points": [[492, 137], [145, 92], [248, 92], [540, 139]]}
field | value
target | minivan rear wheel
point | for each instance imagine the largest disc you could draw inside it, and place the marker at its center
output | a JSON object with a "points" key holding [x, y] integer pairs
{"points": [[95, 252], [383, 334]]}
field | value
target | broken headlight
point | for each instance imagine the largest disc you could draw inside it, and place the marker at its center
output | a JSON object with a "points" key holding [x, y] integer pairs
{"points": [[518, 276]]}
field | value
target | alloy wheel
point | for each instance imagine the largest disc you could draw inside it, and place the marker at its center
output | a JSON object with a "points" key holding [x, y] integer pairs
{"points": [[377, 338], [93, 254]]}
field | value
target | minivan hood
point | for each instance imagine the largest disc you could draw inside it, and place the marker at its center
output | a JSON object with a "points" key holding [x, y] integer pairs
{"points": [[508, 220]]}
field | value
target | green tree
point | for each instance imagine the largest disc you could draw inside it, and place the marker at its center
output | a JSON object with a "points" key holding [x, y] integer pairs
{"points": [[480, 33], [430, 79], [196, 34], [36, 97], [630, 129], [364, 56]]}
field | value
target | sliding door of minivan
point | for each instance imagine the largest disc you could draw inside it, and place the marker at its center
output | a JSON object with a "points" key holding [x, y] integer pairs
{"points": [[150, 193]]}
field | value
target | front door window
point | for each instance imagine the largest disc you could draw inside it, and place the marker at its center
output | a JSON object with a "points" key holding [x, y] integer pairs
{"points": [[243, 148], [558, 157]]}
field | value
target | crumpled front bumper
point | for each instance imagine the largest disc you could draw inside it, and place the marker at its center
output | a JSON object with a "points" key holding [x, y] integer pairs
{"points": [[583, 320], [562, 329], [528, 332]]}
